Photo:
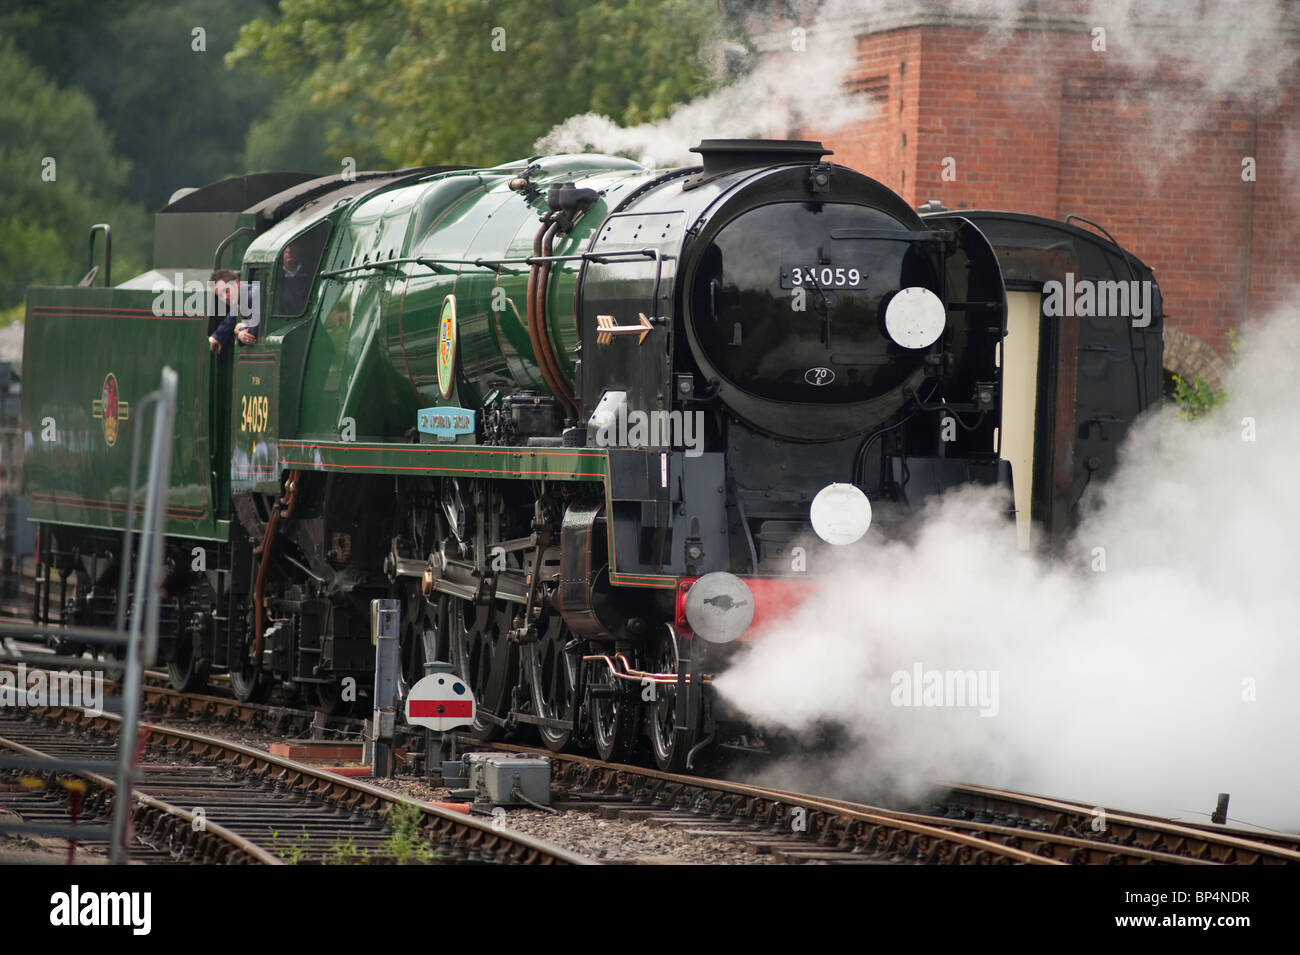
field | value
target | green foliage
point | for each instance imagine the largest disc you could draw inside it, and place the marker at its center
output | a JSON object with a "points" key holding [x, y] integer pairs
{"points": [[346, 853], [117, 93], [297, 136], [407, 843], [1195, 398], [1234, 345], [421, 81], [44, 223], [291, 852], [175, 112]]}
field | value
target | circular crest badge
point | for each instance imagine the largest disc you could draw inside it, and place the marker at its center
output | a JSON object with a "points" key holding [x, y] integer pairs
{"points": [[109, 397], [110, 409], [447, 333]]}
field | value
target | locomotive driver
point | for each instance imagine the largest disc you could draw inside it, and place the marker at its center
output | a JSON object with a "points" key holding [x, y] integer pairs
{"points": [[234, 301]]}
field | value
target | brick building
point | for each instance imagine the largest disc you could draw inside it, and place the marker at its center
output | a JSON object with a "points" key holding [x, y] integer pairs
{"points": [[1029, 116]]}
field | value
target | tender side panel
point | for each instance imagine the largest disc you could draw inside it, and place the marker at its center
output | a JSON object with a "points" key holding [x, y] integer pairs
{"points": [[89, 357]]}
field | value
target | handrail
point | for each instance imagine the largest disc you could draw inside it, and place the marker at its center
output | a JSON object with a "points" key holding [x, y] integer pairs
{"points": [[108, 251]]}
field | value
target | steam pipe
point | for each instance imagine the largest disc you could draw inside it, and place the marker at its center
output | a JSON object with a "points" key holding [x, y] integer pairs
{"points": [[289, 502], [531, 306], [620, 668], [543, 283]]}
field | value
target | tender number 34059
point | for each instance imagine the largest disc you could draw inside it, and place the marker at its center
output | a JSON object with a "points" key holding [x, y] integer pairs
{"points": [[256, 412]]}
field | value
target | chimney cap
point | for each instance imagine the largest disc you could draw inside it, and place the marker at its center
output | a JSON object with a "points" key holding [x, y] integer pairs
{"points": [[724, 155]]}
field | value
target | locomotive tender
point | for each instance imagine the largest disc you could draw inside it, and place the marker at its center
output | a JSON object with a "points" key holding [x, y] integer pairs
{"points": [[594, 425]]}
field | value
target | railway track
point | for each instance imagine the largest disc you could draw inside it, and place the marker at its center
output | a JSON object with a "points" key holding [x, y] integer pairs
{"points": [[160, 698], [965, 825], [798, 827], [163, 700], [212, 801], [164, 832], [1218, 844]]}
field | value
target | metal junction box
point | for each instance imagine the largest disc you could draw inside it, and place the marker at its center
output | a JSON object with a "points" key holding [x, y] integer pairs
{"points": [[495, 777]]}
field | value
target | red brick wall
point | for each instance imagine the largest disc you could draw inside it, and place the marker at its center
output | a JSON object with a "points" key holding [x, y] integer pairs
{"points": [[1037, 122], [884, 146]]}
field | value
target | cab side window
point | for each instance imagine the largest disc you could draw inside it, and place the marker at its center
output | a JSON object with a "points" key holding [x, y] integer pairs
{"points": [[296, 270]]}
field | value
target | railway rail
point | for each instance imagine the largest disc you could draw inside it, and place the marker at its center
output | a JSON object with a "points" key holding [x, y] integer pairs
{"points": [[798, 827], [1225, 845], [254, 804], [164, 831], [964, 825], [161, 699], [801, 828]]}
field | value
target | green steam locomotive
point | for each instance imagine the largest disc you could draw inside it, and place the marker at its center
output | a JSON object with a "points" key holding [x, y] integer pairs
{"points": [[594, 425]]}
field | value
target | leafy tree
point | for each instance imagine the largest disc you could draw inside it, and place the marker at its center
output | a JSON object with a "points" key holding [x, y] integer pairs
{"points": [[298, 136], [479, 81], [61, 175], [176, 112]]}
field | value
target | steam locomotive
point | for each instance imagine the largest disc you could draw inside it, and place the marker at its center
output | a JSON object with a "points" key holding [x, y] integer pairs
{"points": [[594, 425]]}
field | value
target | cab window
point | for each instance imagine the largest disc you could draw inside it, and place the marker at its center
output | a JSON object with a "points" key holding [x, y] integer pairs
{"points": [[295, 270]]}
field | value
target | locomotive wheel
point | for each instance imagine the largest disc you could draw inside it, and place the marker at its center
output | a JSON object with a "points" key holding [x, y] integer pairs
{"points": [[250, 684], [188, 672], [424, 633], [552, 679], [615, 708], [670, 749], [485, 658], [329, 697]]}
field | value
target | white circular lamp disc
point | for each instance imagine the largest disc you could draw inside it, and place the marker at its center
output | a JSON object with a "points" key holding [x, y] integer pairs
{"points": [[915, 317], [840, 514], [719, 607]]}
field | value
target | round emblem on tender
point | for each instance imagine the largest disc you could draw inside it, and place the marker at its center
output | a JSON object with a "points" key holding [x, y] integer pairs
{"points": [[447, 333]]}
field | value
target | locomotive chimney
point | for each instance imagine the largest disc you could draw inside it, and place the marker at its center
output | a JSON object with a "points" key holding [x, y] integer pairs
{"points": [[726, 155]]}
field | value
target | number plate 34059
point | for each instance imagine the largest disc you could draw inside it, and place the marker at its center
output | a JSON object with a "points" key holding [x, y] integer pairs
{"points": [[823, 277]]}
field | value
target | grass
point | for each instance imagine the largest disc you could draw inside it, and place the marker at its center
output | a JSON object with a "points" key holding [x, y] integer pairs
{"points": [[407, 844]]}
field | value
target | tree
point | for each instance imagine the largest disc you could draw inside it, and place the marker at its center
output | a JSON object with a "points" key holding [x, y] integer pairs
{"points": [[155, 72], [479, 81], [61, 175], [297, 136]]}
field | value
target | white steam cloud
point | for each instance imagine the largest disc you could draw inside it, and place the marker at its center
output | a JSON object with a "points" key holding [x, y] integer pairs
{"points": [[774, 93], [1154, 684], [797, 84]]}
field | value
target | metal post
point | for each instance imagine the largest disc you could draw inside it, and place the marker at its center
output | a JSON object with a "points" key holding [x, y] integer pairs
{"points": [[142, 641], [385, 620], [440, 763], [1220, 815]]}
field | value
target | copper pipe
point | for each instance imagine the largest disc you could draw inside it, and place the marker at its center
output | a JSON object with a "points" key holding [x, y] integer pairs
{"points": [[538, 336], [530, 308], [289, 502], [633, 675], [565, 394], [542, 345]]}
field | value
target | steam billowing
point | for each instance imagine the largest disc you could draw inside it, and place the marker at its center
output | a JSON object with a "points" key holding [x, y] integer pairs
{"points": [[796, 84], [771, 94], [1154, 684]]}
